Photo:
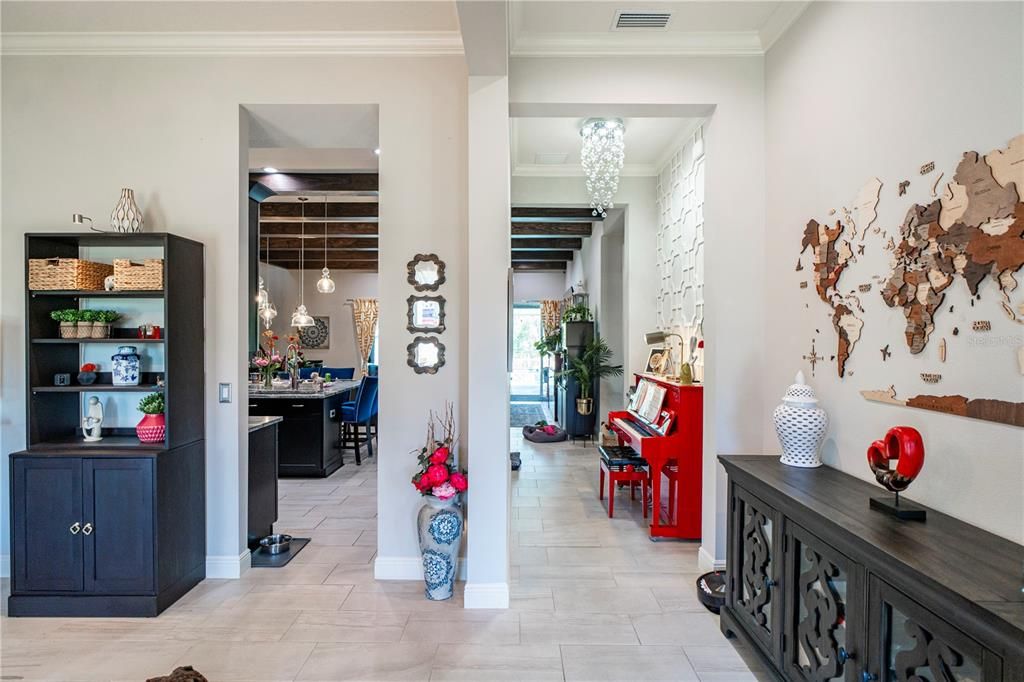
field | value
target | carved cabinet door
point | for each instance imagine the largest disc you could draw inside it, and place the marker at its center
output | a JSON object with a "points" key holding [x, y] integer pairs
{"points": [[823, 619], [756, 570], [908, 643]]}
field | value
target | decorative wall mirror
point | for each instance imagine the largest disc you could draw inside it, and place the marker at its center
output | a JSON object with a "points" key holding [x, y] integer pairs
{"points": [[426, 314], [426, 354], [426, 272]]}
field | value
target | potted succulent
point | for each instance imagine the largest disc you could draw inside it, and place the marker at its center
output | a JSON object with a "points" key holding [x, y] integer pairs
{"points": [[68, 318], [102, 322], [588, 368], [87, 374], [153, 426]]}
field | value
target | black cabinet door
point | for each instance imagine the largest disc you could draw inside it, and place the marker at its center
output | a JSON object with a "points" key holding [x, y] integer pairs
{"points": [[823, 619], [46, 524], [118, 525], [300, 445], [757, 570], [909, 643]]}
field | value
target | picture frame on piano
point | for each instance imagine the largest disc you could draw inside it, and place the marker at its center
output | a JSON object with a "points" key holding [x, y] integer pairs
{"points": [[658, 361]]}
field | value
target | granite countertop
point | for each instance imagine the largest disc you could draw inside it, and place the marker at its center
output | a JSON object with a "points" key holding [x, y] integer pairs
{"points": [[257, 423], [283, 392]]}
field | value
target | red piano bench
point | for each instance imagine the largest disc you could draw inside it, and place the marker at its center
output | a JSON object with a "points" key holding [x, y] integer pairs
{"points": [[623, 465]]}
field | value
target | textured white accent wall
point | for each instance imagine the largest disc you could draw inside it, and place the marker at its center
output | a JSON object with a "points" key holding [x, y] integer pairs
{"points": [[680, 246]]}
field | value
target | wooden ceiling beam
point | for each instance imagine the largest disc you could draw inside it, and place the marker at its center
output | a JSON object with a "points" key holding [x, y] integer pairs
{"points": [[315, 256], [315, 229], [528, 213], [546, 243], [551, 229], [521, 256], [333, 265], [319, 209], [360, 243], [317, 182], [539, 267]]}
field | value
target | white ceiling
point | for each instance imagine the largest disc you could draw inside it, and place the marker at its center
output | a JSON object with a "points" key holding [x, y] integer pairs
{"points": [[315, 126], [557, 27], [218, 15], [551, 146]]}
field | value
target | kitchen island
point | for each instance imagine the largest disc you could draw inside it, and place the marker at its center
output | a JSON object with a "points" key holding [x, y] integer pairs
{"points": [[308, 432]]}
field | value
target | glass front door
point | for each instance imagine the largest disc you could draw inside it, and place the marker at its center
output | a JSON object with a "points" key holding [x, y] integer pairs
{"points": [[527, 381]]}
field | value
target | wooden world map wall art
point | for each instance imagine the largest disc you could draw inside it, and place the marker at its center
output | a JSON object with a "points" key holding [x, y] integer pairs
{"points": [[973, 230]]}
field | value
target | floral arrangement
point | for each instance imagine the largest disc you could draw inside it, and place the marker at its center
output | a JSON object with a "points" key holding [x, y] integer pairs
{"points": [[267, 364], [438, 476]]}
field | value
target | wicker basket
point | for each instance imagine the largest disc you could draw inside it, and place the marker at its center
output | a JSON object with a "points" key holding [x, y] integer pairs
{"points": [[144, 275], [66, 274]]}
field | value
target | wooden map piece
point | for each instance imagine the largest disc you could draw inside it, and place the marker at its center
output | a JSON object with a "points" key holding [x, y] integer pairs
{"points": [[813, 357], [927, 168], [986, 198], [935, 185], [803, 285], [799, 265], [1008, 164], [903, 187], [832, 211], [929, 378], [999, 411], [956, 331], [981, 326], [886, 354], [953, 204], [860, 249], [864, 288], [865, 206], [942, 350]]}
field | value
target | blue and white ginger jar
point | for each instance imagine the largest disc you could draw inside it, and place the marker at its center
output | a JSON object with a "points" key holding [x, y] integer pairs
{"points": [[125, 366], [440, 525]]}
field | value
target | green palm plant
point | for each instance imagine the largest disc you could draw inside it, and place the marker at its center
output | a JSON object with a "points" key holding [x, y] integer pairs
{"points": [[592, 365]]}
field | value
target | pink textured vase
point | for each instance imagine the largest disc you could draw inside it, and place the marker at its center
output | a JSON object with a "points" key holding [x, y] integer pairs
{"points": [[152, 428]]}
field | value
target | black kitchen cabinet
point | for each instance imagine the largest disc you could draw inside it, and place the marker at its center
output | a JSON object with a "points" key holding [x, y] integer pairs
{"points": [[307, 436], [826, 588], [105, 535]]}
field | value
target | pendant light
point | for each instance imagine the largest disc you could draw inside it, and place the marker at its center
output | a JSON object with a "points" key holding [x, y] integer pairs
{"points": [[326, 284], [267, 310], [301, 318]]}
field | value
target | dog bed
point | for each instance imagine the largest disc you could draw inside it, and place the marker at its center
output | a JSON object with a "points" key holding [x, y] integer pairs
{"points": [[544, 434]]}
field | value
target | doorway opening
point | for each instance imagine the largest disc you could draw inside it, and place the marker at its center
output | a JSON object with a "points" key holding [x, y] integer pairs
{"points": [[530, 373]]}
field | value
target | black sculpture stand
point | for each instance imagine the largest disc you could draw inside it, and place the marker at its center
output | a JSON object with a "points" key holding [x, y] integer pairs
{"points": [[906, 511]]}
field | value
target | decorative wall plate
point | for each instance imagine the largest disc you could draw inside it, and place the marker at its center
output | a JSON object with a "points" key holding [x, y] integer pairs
{"points": [[317, 335]]}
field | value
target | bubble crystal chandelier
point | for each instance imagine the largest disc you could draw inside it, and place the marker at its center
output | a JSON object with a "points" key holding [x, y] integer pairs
{"points": [[602, 155]]}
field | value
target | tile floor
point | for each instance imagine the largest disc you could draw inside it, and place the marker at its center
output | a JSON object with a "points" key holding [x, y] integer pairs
{"points": [[592, 599]]}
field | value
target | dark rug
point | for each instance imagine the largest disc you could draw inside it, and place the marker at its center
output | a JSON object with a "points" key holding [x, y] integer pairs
{"points": [[525, 414]]}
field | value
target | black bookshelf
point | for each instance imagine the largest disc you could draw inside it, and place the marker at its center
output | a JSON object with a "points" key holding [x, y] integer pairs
{"points": [[115, 527]]}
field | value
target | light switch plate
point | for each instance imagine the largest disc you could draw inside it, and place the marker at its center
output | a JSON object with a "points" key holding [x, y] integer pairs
{"points": [[224, 393]]}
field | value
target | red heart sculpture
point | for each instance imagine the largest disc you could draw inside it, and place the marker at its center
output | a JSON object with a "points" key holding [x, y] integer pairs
{"points": [[902, 444]]}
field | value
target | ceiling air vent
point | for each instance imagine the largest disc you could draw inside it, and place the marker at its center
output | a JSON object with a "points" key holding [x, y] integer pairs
{"points": [[634, 19]]}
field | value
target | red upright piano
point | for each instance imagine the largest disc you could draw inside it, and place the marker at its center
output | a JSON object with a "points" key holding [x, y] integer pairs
{"points": [[679, 451]]}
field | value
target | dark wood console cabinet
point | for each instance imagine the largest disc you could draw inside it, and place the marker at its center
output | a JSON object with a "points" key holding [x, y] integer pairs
{"points": [[824, 588]]}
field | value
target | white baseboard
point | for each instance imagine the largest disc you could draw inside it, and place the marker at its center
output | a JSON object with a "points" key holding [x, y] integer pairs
{"points": [[227, 566], [407, 568], [708, 563], [486, 596], [5, 566]]}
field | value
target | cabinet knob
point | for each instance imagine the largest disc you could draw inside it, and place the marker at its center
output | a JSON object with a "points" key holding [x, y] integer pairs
{"points": [[844, 655], [87, 529], [75, 527], [868, 677]]}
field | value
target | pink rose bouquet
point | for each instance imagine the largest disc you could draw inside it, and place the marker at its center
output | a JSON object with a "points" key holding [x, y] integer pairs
{"points": [[438, 474]]}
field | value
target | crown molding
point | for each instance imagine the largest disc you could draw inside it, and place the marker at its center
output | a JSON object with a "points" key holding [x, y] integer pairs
{"points": [[357, 43], [735, 43], [784, 16]]}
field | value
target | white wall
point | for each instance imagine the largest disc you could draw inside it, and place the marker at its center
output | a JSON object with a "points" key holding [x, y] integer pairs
{"points": [[284, 290], [850, 98], [77, 129], [733, 87], [538, 286]]}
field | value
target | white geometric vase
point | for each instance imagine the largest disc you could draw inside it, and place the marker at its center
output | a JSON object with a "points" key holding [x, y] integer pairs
{"points": [[800, 425], [126, 216]]}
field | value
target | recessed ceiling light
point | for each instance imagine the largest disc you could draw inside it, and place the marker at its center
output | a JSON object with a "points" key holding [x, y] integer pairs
{"points": [[269, 169], [377, 151]]}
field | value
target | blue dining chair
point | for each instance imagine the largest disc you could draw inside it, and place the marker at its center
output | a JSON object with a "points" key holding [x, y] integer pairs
{"points": [[342, 373], [358, 413], [373, 370]]}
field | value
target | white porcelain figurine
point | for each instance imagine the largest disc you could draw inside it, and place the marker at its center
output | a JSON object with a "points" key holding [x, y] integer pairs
{"points": [[92, 423]]}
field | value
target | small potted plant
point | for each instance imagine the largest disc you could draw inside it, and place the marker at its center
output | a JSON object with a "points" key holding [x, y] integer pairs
{"points": [[87, 374], [588, 368], [68, 318], [153, 426], [577, 313], [85, 322], [101, 325]]}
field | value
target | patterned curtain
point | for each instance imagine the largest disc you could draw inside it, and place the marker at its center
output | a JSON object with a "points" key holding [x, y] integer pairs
{"points": [[364, 311], [551, 316]]}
